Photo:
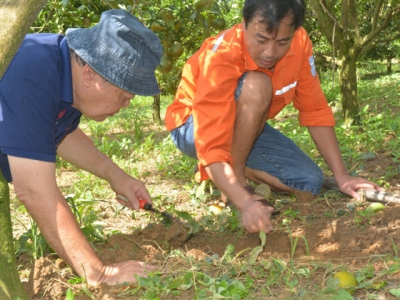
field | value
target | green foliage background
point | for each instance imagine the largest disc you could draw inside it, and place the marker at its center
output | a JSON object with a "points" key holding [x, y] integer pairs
{"points": [[186, 22]]}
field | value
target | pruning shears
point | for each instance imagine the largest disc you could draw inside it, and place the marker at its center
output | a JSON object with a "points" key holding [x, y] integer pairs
{"points": [[143, 204]]}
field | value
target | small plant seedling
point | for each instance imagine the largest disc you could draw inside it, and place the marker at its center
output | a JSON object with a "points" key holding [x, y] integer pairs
{"points": [[293, 242]]}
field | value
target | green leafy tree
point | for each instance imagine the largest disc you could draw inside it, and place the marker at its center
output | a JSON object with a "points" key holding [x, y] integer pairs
{"points": [[15, 19], [353, 28], [59, 15], [385, 51], [181, 26]]}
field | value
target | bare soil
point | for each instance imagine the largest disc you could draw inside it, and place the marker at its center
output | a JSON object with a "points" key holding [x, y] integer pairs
{"points": [[327, 222]]}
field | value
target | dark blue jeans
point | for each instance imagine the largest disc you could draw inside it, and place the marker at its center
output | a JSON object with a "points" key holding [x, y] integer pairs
{"points": [[273, 153]]}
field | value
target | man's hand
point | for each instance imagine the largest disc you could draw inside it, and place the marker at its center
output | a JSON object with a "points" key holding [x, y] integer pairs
{"points": [[326, 141], [80, 151], [349, 185], [256, 217], [124, 272], [132, 189]]}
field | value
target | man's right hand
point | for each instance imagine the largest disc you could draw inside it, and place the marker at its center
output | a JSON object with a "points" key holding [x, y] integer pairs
{"points": [[256, 216], [125, 271]]}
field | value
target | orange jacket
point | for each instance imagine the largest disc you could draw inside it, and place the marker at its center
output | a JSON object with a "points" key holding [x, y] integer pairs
{"points": [[209, 80]]}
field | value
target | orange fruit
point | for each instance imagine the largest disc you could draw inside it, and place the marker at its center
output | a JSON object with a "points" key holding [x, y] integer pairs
{"points": [[210, 19], [203, 4], [346, 280], [175, 50], [165, 65], [155, 26], [95, 18], [86, 22], [219, 23], [215, 209]]}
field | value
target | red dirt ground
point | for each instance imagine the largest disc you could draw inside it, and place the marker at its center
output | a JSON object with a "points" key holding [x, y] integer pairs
{"points": [[329, 236]]}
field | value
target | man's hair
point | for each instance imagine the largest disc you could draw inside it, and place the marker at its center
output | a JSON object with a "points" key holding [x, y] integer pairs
{"points": [[78, 59], [273, 11]]}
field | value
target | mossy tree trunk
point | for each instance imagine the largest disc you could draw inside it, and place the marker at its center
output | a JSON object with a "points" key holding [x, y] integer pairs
{"points": [[156, 108], [349, 55], [348, 90], [16, 16], [10, 284], [389, 65]]}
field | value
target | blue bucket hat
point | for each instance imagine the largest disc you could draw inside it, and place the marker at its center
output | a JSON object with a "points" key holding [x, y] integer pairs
{"points": [[120, 49]]}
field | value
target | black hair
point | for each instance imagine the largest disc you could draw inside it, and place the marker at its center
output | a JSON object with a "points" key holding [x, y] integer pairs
{"points": [[78, 59], [273, 11]]}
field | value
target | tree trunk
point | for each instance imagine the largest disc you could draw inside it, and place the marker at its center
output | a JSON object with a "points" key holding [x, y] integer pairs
{"points": [[16, 16], [348, 89], [156, 109], [10, 284], [389, 65], [343, 29]]}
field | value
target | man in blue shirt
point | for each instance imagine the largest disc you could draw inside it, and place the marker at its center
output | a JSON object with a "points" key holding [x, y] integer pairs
{"points": [[51, 82]]}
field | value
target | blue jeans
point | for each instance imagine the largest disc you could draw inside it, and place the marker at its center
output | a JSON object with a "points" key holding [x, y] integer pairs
{"points": [[273, 153]]}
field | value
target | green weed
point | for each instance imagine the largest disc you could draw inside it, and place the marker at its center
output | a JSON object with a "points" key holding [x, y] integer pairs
{"points": [[32, 242]]}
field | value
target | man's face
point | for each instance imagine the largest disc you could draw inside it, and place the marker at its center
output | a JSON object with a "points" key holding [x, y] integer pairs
{"points": [[266, 49], [98, 99]]}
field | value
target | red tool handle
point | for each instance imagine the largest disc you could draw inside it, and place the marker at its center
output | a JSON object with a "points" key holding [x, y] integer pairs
{"points": [[143, 204]]}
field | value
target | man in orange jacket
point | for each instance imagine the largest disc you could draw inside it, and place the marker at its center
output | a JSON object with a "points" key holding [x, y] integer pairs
{"points": [[232, 86]]}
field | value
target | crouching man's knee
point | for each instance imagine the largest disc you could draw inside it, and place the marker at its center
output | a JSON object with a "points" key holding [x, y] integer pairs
{"points": [[255, 88]]}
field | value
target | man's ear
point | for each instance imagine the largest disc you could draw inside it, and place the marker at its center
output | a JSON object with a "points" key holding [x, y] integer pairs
{"points": [[88, 74]]}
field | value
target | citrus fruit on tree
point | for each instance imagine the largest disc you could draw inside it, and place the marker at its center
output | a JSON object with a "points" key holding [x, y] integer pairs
{"points": [[203, 4], [346, 280], [219, 23], [168, 18], [210, 19], [86, 22], [175, 50], [165, 65], [155, 26], [95, 18]]}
